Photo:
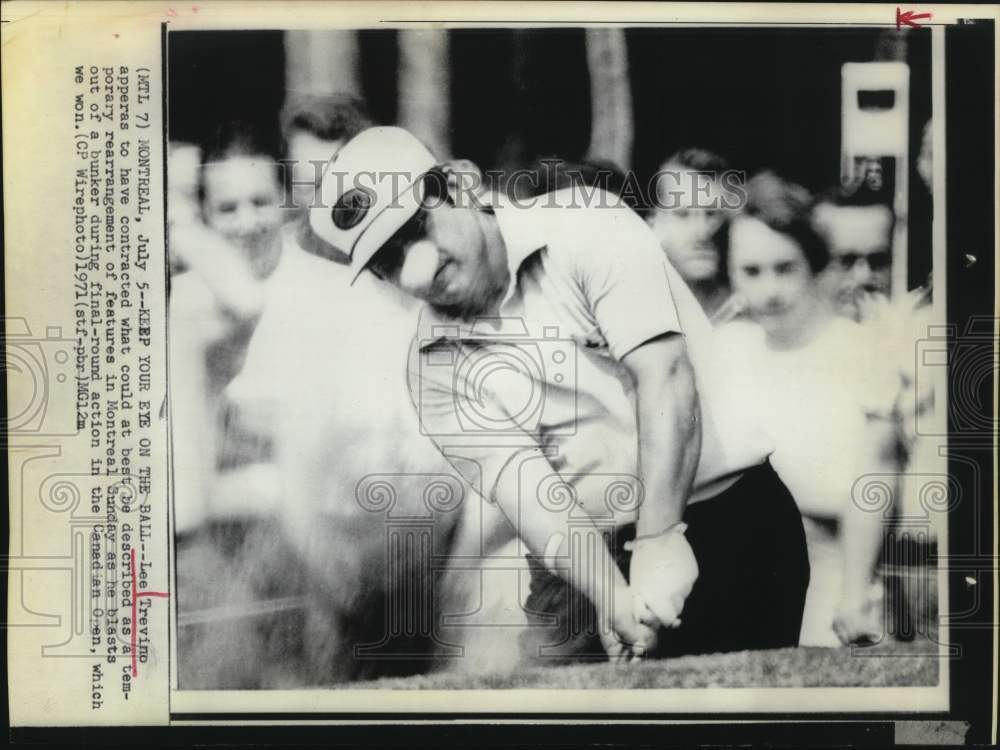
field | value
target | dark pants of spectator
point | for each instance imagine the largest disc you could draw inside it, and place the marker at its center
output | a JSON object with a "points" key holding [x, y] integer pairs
{"points": [[750, 592]]}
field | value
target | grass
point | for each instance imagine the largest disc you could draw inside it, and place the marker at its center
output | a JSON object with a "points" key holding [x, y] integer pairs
{"points": [[891, 664]]}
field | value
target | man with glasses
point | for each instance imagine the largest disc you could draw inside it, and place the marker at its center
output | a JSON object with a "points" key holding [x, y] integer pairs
{"points": [[859, 236]]}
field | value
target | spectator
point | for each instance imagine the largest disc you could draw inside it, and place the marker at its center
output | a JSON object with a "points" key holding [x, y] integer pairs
{"points": [[215, 305], [812, 380], [899, 323], [312, 360], [314, 127], [859, 235], [899, 326], [183, 210], [925, 157], [312, 130], [689, 218]]}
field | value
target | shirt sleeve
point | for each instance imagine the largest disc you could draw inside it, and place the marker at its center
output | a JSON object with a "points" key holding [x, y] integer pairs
{"points": [[468, 425], [624, 275]]}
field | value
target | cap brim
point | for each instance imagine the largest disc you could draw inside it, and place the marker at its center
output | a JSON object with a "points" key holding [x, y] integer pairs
{"points": [[385, 225]]}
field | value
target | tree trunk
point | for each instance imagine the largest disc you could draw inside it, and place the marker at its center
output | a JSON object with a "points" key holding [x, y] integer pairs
{"points": [[611, 129], [424, 88], [322, 62]]}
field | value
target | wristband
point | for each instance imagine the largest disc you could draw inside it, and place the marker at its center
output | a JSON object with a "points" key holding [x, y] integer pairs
{"points": [[680, 527]]}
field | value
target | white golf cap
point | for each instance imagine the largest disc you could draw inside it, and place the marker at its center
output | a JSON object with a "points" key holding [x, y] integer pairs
{"points": [[371, 188]]}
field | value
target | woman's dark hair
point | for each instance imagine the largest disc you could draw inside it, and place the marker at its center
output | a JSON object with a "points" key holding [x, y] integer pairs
{"points": [[239, 138], [786, 208]]}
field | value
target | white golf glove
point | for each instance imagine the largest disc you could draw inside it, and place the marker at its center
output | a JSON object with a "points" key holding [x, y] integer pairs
{"points": [[662, 572]]}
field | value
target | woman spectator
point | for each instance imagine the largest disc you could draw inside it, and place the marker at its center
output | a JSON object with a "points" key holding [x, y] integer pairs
{"points": [[813, 380]]}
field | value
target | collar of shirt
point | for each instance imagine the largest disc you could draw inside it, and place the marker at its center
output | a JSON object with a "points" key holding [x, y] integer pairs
{"points": [[523, 235]]}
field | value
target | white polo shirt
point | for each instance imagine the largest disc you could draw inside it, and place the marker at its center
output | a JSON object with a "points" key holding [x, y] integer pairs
{"points": [[589, 285]]}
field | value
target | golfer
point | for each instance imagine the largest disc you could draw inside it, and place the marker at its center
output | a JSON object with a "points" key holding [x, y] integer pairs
{"points": [[565, 370]]}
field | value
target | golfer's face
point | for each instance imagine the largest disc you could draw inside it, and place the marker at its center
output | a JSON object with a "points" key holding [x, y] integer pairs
{"points": [[445, 266]]}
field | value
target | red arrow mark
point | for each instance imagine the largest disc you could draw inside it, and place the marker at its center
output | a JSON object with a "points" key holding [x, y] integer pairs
{"points": [[135, 605], [909, 18]]}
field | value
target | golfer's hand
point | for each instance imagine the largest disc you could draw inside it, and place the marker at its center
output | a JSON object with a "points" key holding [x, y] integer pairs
{"points": [[662, 572], [624, 638], [858, 616]]}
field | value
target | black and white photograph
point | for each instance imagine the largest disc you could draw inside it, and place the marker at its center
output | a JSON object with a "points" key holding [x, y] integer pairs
{"points": [[380, 371], [583, 357]]}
